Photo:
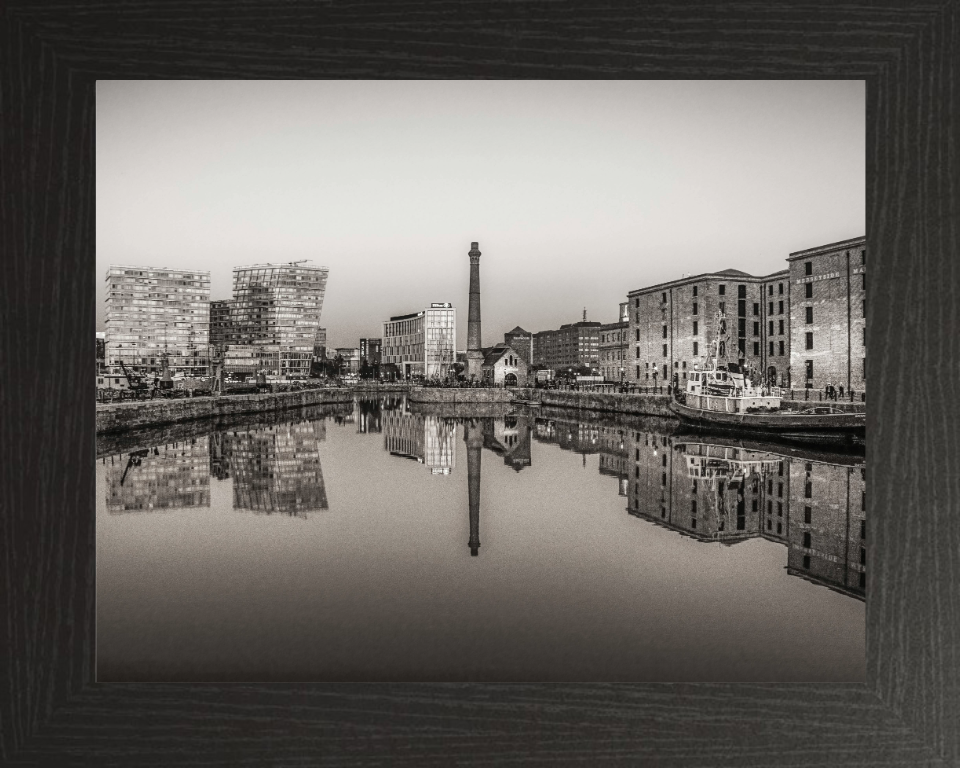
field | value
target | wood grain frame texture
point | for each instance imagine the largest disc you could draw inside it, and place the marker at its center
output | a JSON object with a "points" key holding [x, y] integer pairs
{"points": [[51, 711]]}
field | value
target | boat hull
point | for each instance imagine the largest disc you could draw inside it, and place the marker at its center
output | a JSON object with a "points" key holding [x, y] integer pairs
{"points": [[824, 428]]}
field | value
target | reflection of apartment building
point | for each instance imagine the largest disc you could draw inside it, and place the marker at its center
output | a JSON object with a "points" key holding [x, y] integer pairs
{"points": [[152, 312], [277, 469], [403, 434], [422, 343], [828, 311], [169, 476], [429, 440], [439, 446]]}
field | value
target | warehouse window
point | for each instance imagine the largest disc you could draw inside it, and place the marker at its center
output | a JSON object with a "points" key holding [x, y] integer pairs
{"points": [[808, 291], [809, 314], [808, 268], [695, 326], [809, 336], [722, 289]]}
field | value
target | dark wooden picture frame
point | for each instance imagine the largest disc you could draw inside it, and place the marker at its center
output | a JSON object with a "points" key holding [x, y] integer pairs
{"points": [[51, 711]]}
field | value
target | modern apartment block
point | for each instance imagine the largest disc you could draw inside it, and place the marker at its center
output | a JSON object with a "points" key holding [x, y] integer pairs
{"points": [[828, 311], [422, 343], [156, 312], [572, 345], [276, 311]]}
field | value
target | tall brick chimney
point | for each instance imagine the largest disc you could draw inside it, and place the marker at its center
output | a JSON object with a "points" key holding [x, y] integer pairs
{"points": [[474, 355]]}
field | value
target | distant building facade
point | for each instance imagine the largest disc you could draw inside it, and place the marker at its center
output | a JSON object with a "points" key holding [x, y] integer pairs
{"points": [[422, 343], [828, 316], [613, 347], [276, 310], [221, 324], [521, 341], [351, 359], [320, 345], [572, 345], [156, 312], [371, 350]]}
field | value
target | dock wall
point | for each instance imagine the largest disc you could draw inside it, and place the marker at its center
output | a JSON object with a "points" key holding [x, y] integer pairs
{"points": [[116, 417]]}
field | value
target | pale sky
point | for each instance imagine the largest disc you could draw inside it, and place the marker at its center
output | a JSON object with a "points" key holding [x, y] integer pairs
{"points": [[577, 192]]}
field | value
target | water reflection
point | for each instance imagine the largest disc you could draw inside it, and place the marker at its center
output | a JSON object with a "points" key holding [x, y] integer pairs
{"points": [[725, 491], [717, 490], [277, 469], [274, 469], [160, 477]]}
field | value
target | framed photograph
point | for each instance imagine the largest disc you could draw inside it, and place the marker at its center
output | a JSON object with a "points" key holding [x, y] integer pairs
{"points": [[279, 548]]}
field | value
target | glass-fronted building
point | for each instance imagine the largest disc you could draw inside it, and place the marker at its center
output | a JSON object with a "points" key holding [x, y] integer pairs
{"points": [[276, 310], [422, 343]]}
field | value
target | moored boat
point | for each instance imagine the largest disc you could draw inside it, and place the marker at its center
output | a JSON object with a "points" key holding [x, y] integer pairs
{"points": [[725, 398]]}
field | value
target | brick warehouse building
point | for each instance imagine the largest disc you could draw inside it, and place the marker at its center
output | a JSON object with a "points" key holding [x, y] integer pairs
{"points": [[572, 345], [828, 316], [671, 326]]}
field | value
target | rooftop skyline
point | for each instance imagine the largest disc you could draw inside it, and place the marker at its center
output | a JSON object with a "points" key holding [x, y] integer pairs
{"points": [[577, 192]]}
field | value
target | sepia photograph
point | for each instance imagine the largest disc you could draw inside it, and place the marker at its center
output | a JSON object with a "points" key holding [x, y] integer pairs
{"points": [[487, 381]]}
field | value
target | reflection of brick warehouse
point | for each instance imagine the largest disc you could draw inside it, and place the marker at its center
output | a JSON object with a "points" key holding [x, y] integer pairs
{"points": [[277, 469], [614, 460], [774, 503], [828, 527], [171, 476], [694, 491], [509, 438]]}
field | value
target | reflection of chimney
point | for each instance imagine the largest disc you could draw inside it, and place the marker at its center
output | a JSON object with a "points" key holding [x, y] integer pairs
{"points": [[473, 437], [474, 355]]}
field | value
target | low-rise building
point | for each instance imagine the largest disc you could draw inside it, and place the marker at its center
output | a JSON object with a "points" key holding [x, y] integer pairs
{"points": [[504, 366]]}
